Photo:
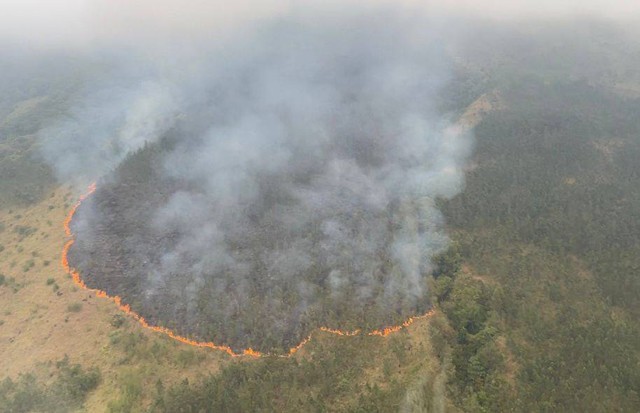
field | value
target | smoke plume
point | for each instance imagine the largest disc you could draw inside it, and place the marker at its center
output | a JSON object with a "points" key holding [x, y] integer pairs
{"points": [[306, 156]]}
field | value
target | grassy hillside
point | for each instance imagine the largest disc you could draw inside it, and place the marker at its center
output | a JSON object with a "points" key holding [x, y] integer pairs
{"points": [[47, 318], [34, 91], [537, 300]]}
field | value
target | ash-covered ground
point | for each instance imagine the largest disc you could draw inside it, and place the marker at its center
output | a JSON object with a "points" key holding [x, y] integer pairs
{"points": [[290, 183]]}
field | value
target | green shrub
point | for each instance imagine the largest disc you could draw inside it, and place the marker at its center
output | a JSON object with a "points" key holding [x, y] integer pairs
{"points": [[130, 393], [73, 382], [28, 265], [67, 392], [10, 282], [118, 320], [74, 308], [24, 230]]}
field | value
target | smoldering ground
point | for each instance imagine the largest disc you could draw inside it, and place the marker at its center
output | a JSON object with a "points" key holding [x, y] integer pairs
{"points": [[281, 180]]}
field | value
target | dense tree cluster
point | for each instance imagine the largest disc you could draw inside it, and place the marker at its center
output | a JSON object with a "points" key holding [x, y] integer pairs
{"points": [[551, 215]]}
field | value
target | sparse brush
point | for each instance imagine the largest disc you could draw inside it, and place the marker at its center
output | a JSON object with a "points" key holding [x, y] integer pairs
{"points": [[28, 265], [117, 320], [74, 308]]}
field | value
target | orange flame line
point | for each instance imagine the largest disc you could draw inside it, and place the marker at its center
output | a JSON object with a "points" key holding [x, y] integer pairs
{"points": [[343, 333], [75, 275]]}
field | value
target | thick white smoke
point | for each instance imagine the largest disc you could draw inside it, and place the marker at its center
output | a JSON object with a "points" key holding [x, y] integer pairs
{"points": [[335, 121], [309, 156]]}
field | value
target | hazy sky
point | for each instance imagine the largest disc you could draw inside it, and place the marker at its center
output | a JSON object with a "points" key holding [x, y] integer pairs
{"points": [[78, 23]]}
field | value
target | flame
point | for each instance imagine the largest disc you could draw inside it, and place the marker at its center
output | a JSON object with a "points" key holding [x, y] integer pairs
{"points": [[69, 217], [340, 332], [295, 349], [393, 329], [77, 279]]}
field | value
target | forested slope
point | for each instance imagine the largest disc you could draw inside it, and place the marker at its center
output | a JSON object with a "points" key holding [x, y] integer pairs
{"points": [[539, 292], [537, 300], [549, 223]]}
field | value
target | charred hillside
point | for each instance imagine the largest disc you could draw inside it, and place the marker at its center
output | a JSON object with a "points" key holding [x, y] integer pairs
{"points": [[297, 188], [119, 248]]}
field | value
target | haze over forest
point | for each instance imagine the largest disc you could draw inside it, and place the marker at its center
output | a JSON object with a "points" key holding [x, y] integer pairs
{"points": [[344, 206]]}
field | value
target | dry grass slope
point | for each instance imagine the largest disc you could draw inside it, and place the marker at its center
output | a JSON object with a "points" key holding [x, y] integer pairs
{"points": [[45, 316]]}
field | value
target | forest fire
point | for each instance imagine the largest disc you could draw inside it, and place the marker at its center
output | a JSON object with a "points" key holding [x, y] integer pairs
{"points": [[390, 330], [75, 275], [340, 332]]}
